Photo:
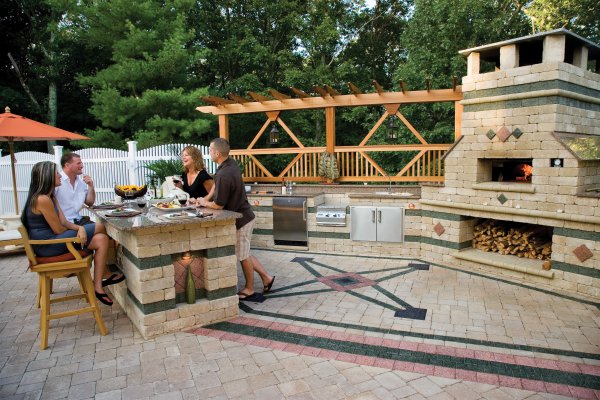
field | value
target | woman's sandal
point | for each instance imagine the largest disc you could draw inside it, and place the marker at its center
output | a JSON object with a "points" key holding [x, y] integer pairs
{"points": [[104, 299], [247, 297], [267, 288], [113, 279]]}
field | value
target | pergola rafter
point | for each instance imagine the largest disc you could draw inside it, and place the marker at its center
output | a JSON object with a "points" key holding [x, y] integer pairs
{"points": [[355, 163]]}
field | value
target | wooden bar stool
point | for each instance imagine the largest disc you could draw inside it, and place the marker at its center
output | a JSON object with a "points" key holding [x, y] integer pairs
{"points": [[72, 264]]}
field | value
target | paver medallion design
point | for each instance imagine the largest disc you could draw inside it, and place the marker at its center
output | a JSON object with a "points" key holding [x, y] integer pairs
{"points": [[366, 310]]}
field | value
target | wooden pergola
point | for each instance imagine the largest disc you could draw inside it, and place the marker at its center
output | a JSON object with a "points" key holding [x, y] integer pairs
{"points": [[354, 163]]}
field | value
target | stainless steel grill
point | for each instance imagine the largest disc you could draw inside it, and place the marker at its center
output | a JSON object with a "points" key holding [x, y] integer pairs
{"points": [[331, 215]]}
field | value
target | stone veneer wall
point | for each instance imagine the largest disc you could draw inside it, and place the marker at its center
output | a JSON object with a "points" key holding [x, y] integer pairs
{"points": [[148, 295], [535, 100]]}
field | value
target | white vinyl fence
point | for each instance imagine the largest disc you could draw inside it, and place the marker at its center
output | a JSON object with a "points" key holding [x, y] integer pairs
{"points": [[105, 166]]}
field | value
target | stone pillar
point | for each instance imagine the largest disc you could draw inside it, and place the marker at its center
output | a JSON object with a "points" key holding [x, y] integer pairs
{"points": [[473, 64], [509, 56], [554, 49], [580, 57]]}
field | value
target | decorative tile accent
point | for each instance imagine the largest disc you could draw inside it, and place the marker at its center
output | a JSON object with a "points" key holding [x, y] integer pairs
{"points": [[502, 199], [490, 134], [345, 282], [439, 229], [583, 253], [517, 133], [503, 134], [419, 267], [412, 313]]}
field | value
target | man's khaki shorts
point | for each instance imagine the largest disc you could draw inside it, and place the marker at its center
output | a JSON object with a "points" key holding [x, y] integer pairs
{"points": [[243, 237]]}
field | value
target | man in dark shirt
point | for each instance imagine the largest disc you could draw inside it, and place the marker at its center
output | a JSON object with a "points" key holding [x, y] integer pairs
{"points": [[229, 193]]}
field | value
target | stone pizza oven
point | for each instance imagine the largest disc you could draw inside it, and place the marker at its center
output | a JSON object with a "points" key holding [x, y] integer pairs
{"points": [[528, 163]]}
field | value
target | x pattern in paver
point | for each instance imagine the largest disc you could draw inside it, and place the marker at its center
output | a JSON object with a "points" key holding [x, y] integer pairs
{"points": [[330, 339]]}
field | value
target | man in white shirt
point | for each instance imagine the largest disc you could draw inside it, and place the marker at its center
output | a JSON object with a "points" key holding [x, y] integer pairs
{"points": [[76, 189]]}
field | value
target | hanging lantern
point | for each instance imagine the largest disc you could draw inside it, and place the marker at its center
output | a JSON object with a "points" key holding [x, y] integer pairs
{"points": [[274, 135], [392, 128]]}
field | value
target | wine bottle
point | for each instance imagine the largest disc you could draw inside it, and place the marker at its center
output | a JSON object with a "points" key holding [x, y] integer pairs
{"points": [[190, 286], [283, 188]]}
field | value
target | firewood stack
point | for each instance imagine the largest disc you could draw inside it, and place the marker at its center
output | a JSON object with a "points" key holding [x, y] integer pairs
{"points": [[524, 240]]}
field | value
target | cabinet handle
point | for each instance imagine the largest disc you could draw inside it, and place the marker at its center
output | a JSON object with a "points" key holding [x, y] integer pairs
{"points": [[373, 216], [379, 216], [304, 210]]}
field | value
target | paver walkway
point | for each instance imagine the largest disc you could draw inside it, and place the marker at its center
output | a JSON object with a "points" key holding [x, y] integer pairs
{"points": [[334, 327]]}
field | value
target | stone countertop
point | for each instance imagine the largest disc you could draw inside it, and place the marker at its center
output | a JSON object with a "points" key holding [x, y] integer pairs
{"points": [[153, 217], [299, 193], [385, 195]]}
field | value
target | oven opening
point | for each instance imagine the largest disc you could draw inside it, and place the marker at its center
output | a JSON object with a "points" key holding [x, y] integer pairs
{"points": [[520, 170]]}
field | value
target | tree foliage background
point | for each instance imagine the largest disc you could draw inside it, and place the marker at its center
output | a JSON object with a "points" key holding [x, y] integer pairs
{"points": [[119, 70]]}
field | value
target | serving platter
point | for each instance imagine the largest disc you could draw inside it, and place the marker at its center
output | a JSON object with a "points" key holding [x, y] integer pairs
{"points": [[180, 215], [127, 212], [173, 208], [107, 205]]}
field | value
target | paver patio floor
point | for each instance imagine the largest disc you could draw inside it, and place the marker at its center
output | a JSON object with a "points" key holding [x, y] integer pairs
{"points": [[334, 327]]}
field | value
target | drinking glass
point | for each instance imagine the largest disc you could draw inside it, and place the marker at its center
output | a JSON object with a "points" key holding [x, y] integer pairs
{"points": [[141, 202], [128, 195], [182, 199]]}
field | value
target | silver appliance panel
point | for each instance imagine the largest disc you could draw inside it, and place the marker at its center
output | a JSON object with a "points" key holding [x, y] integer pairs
{"points": [[331, 216]]}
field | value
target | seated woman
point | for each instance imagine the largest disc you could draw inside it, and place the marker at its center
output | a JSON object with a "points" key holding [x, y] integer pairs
{"points": [[196, 181], [43, 219]]}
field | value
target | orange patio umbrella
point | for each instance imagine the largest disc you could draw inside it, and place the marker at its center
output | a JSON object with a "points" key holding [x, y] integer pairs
{"points": [[15, 128]]}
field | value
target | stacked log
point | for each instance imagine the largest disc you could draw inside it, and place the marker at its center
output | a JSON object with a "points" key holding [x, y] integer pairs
{"points": [[521, 240]]}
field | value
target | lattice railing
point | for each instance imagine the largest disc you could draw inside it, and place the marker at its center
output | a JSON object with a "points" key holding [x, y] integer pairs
{"points": [[355, 164]]}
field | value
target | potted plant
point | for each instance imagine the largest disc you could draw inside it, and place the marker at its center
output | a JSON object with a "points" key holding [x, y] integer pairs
{"points": [[160, 169], [328, 167]]}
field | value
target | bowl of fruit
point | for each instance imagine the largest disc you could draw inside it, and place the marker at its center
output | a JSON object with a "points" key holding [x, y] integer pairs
{"points": [[130, 191]]}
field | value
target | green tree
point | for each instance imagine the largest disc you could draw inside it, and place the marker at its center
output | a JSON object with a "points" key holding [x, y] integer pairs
{"points": [[150, 90], [437, 30], [579, 16], [37, 68]]}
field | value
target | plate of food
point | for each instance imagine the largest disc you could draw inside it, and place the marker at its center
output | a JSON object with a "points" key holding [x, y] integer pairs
{"points": [[181, 215], [170, 206], [125, 212], [107, 205]]}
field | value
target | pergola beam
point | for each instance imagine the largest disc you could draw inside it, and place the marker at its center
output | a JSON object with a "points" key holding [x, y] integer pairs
{"points": [[258, 97], [378, 87], [216, 100], [322, 92], [354, 89], [402, 86], [331, 91], [350, 100], [278, 95], [238, 99], [300, 93]]}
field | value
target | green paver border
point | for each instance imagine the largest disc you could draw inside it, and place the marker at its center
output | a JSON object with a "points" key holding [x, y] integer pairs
{"points": [[569, 353], [414, 356]]}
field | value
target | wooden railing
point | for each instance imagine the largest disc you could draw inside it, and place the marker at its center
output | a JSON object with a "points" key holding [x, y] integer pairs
{"points": [[356, 164], [420, 162]]}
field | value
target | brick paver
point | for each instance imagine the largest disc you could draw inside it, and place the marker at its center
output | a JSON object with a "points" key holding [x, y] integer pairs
{"points": [[467, 318]]}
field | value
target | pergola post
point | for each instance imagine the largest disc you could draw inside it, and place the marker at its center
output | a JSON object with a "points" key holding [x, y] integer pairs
{"points": [[330, 129], [458, 112], [224, 126]]}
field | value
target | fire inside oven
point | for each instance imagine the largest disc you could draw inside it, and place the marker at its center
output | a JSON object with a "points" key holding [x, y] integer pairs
{"points": [[520, 170]]}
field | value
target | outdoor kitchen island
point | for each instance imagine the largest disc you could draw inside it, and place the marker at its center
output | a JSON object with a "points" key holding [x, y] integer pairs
{"points": [[154, 252]]}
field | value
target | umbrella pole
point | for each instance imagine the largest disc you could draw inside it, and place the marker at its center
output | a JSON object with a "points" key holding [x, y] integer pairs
{"points": [[11, 147]]}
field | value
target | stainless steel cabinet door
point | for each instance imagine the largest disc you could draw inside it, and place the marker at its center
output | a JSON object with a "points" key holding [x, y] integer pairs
{"points": [[363, 224], [289, 220], [389, 224]]}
